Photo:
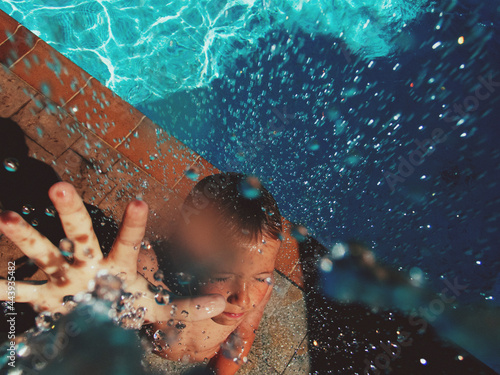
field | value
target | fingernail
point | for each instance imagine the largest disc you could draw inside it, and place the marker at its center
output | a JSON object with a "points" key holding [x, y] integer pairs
{"points": [[61, 193], [9, 217]]}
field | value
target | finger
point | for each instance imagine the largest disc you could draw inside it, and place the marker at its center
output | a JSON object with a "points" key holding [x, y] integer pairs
{"points": [[126, 247], [193, 309], [18, 291], [33, 244], [76, 221]]}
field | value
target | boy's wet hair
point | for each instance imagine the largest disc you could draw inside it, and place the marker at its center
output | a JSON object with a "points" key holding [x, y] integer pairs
{"points": [[247, 209]]}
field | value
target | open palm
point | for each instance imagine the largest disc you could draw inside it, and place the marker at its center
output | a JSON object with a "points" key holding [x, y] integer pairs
{"points": [[71, 276]]}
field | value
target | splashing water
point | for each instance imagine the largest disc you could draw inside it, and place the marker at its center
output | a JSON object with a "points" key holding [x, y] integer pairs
{"points": [[148, 49], [11, 164]]}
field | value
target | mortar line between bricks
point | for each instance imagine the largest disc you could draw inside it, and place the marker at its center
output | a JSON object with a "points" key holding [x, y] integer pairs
{"points": [[183, 175], [26, 54], [8, 38], [77, 92], [130, 132]]}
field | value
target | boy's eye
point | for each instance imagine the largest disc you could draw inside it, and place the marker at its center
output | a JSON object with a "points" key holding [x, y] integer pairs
{"points": [[219, 279], [266, 280]]}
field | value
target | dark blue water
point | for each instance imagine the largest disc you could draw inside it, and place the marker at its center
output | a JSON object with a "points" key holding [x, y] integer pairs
{"points": [[442, 217]]}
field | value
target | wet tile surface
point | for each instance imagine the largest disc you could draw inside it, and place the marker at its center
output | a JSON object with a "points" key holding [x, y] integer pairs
{"points": [[8, 26], [55, 132], [18, 43], [132, 183], [157, 153], [50, 73], [101, 111], [13, 93]]}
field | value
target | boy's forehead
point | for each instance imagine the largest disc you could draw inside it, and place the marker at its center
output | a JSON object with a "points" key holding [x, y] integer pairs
{"points": [[208, 241]]}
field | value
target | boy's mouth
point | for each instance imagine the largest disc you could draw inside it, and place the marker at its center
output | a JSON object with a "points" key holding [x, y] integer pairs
{"points": [[233, 316]]}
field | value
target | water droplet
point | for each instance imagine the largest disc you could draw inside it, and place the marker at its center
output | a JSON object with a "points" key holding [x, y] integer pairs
{"points": [[159, 335], [180, 325], [27, 209], [184, 313], [50, 211], [145, 244], [34, 222], [67, 248], [197, 307], [339, 250], [299, 232], [313, 145], [160, 300], [170, 323], [326, 265], [11, 164], [159, 276], [107, 287], [88, 253], [184, 278], [250, 187], [45, 89], [193, 173], [22, 350], [44, 321], [122, 276]]}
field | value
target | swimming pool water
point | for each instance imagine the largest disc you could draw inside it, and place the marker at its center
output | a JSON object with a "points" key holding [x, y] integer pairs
{"points": [[147, 49]]}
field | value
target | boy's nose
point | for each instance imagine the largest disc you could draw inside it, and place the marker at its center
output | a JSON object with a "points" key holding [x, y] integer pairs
{"points": [[240, 297]]}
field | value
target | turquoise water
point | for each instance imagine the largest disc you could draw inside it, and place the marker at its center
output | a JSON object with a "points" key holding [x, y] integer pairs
{"points": [[147, 49]]}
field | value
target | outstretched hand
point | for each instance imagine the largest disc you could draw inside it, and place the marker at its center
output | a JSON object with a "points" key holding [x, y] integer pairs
{"points": [[69, 274]]}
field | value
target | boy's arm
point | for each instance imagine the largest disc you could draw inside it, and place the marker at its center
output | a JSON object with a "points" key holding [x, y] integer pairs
{"points": [[222, 365]]}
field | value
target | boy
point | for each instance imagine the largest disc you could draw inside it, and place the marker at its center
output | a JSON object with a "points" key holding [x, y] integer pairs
{"points": [[226, 243]]}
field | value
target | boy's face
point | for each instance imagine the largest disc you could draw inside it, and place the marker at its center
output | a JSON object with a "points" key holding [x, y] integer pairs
{"points": [[241, 271]]}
